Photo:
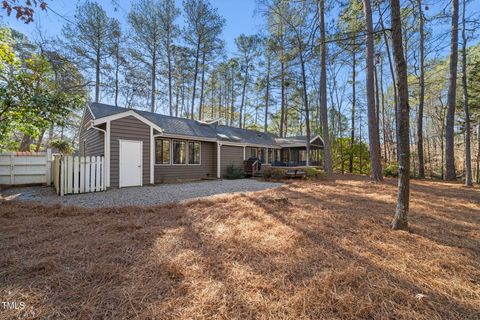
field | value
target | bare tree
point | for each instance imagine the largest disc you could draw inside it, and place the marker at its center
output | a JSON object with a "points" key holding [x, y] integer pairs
{"points": [[327, 157], [143, 19], [468, 153], [400, 222], [373, 131], [421, 102], [88, 38], [452, 90], [248, 47]]}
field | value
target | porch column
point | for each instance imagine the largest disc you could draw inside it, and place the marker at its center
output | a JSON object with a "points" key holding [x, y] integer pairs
{"points": [[218, 160]]}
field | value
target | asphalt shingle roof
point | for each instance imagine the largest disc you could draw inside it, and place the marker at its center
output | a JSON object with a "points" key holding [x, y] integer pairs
{"points": [[188, 127]]}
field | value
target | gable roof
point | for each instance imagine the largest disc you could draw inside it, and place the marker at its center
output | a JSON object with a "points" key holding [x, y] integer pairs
{"points": [[193, 128]]}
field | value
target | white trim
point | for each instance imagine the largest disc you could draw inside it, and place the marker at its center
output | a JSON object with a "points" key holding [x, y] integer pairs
{"points": [[152, 157], [126, 114], [107, 154], [244, 153], [120, 159], [219, 145], [89, 109]]}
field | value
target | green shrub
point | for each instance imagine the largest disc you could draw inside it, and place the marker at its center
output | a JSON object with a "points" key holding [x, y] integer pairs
{"points": [[313, 173], [391, 170], [63, 146], [234, 172]]}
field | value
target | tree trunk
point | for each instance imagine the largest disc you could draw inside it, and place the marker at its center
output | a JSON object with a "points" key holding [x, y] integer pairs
{"points": [[244, 90], [117, 67], [195, 73], [39, 141], [400, 222], [26, 142], [373, 132], [478, 153], [384, 129], [97, 77], [232, 106], [468, 154], [200, 108], [154, 81], [170, 93], [282, 108], [327, 156], [267, 96], [354, 100], [305, 100], [392, 72], [452, 88], [421, 164]]}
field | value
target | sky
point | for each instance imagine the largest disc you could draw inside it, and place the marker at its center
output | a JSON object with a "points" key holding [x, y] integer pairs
{"points": [[239, 15]]}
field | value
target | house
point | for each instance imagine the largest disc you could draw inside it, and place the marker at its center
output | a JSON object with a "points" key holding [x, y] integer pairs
{"points": [[143, 148]]}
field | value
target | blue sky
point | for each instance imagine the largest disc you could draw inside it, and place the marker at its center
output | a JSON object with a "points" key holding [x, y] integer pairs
{"points": [[239, 15]]}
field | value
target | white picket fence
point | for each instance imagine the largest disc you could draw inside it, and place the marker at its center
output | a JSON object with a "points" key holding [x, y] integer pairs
{"points": [[22, 168], [72, 175]]}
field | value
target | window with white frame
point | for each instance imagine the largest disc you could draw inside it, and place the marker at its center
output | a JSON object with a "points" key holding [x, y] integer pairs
{"points": [[162, 151], [179, 152]]}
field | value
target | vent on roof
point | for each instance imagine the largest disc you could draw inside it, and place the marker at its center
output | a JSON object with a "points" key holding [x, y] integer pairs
{"points": [[222, 136], [235, 138], [259, 134]]}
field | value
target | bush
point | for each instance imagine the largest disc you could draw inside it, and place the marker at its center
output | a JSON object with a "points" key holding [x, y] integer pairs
{"points": [[63, 146], [391, 170], [313, 173], [234, 172], [278, 173]]}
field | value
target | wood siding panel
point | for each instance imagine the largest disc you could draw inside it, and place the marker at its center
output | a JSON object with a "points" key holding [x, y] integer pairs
{"points": [[206, 169], [128, 128], [230, 155], [91, 141]]}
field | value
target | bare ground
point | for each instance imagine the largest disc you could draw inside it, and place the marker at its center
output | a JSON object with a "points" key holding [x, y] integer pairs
{"points": [[317, 250]]}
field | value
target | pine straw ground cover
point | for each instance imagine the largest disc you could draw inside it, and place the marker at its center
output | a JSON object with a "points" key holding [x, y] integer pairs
{"points": [[318, 250]]}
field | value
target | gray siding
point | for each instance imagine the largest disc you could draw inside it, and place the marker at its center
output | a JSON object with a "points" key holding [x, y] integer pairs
{"points": [[230, 155], [128, 128], [91, 142], [206, 169]]}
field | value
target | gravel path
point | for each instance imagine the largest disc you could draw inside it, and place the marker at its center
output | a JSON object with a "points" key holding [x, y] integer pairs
{"points": [[148, 195]]}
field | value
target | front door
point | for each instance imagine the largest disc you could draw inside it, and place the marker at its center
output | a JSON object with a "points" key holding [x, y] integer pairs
{"points": [[130, 163]]}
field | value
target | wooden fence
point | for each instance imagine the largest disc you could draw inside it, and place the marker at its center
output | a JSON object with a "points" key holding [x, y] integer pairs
{"points": [[23, 168], [73, 175]]}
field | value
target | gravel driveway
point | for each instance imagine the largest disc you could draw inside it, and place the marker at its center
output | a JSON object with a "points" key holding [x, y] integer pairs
{"points": [[148, 195]]}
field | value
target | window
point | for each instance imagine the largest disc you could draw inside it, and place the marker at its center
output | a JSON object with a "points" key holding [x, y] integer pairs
{"points": [[179, 152], [254, 152], [193, 152], [162, 151], [263, 154], [303, 155], [270, 156]]}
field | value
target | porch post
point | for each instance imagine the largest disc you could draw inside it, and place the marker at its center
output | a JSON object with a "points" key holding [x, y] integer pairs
{"points": [[218, 160]]}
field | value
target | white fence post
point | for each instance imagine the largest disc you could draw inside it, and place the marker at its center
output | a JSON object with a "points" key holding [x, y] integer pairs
{"points": [[12, 169], [48, 171]]}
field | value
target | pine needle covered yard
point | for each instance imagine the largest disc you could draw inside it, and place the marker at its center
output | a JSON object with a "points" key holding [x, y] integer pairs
{"points": [[317, 250]]}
